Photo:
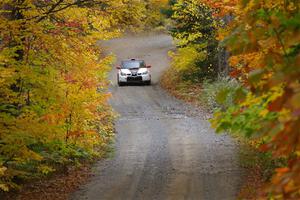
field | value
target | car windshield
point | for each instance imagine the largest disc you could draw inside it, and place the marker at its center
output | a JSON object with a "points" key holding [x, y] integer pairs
{"points": [[133, 64]]}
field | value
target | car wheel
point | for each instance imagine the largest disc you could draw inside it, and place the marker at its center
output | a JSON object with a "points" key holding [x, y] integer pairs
{"points": [[148, 82], [120, 83]]}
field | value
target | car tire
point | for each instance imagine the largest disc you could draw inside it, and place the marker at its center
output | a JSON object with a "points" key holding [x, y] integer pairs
{"points": [[148, 82], [120, 84]]}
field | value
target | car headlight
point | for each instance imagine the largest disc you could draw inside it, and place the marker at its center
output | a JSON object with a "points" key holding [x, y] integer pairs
{"points": [[123, 74], [144, 73]]}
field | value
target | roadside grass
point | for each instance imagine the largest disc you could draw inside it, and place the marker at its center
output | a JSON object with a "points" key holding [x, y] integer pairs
{"points": [[259, 166]]}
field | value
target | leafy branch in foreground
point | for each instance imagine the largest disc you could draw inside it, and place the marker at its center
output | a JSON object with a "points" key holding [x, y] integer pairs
{"points": [[264, 41]]}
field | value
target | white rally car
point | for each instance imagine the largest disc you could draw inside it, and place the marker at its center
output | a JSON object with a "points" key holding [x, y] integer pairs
{"points": [[133, 71]]}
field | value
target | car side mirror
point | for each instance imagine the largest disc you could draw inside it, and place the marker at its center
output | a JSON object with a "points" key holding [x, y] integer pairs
{"points": [[118, 67], [149, 66]]}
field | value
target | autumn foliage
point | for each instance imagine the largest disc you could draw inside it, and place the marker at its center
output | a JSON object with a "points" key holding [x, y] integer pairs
{"points": [[194, 32], [53, 81], [263, 38]]}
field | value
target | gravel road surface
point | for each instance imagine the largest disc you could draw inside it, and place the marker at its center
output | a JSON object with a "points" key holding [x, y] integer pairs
{"points": [[165, 149]]}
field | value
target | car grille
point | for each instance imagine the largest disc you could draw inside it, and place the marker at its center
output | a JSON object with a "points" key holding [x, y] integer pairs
{"points": [[134, 79]]}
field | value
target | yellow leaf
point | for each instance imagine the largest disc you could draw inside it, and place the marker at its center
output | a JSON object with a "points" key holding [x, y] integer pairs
{"points": [[4, 187], [264, 113], [2, 171]]}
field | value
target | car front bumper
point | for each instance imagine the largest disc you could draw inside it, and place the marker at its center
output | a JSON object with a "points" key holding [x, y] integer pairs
{"points": [[133, 79]]}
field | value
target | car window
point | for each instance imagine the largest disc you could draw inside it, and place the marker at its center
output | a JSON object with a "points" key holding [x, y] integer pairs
{"points": [[132, 64]]}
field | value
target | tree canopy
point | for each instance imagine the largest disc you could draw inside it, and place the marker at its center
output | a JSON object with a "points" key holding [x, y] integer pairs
{"points": [[53, 98]]}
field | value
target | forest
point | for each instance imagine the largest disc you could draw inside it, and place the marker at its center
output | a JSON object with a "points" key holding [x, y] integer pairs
{"points": [[239, 59], [53, 108]]}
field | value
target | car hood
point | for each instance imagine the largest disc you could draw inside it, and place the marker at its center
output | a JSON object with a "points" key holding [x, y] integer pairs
{"points": [[140, 70], [126, 71]]}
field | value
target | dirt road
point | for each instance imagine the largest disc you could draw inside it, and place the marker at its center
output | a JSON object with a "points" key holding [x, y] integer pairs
{"points": [[165, 149]]}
